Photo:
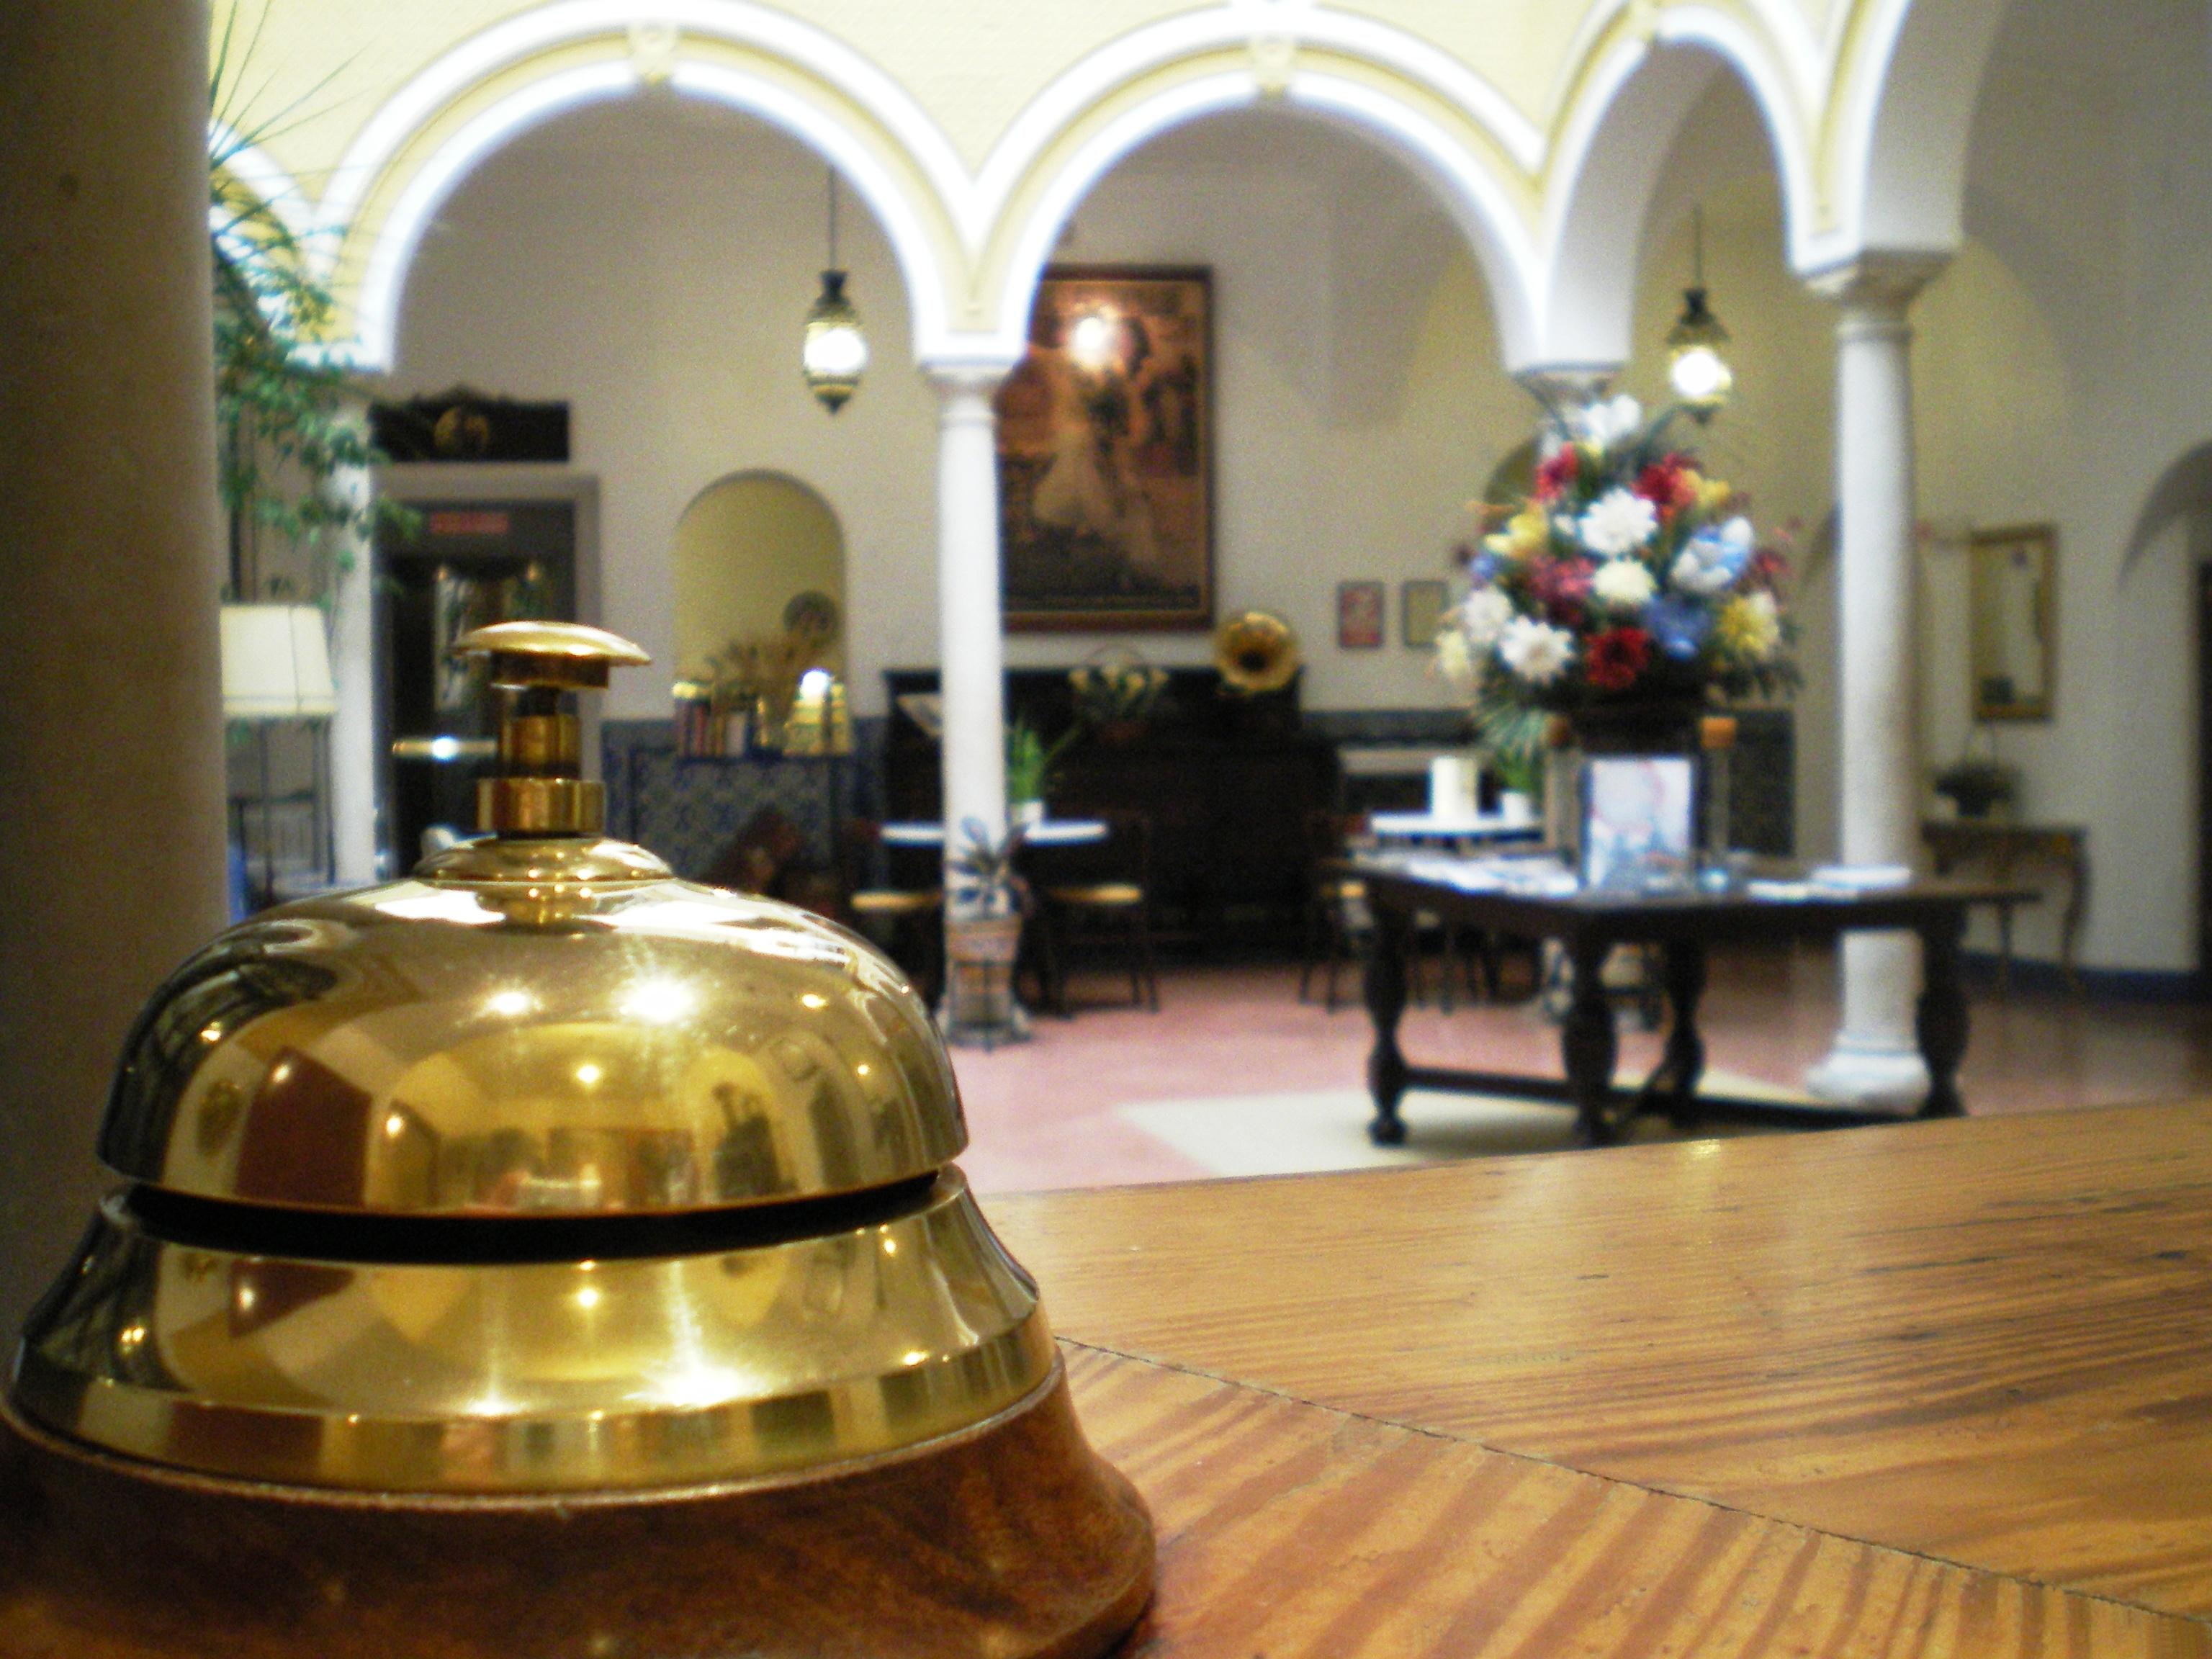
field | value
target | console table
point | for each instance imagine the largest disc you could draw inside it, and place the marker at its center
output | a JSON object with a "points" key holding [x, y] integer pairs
{"points": [[1930, 1389], [1589, 923], [2006, 848]]}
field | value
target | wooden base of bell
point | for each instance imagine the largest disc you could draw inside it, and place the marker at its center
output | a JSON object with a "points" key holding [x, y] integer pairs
{"points": [[1013, 1539]]}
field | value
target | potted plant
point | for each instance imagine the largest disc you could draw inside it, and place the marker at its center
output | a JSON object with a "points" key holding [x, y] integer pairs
{"points": [[1976, 785], [1115, 692], [987, 904], [1030, 761]]}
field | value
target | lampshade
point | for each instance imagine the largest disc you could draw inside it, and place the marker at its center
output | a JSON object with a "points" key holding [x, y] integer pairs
{"points": [[1700, 375], [834, 353], [276, 664]]}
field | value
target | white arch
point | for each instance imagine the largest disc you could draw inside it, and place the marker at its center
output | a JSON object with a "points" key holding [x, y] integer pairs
{"points": [[395, 126], [1908, 109], [1610, 160], [1477, 202]]}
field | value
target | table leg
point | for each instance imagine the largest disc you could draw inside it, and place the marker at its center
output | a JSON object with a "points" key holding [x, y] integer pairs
{"points": [[1673, 1085], [1386, 1001], [1942, 1014], [1587, 1043], [2076, 902]]}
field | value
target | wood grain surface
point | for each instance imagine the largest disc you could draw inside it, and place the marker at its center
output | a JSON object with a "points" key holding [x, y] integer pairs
{"points": [[1290, 1531], [1985, 1342]]}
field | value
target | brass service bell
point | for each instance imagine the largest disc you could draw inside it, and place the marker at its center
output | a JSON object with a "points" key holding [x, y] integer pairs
{"points": [[539, 1256]]}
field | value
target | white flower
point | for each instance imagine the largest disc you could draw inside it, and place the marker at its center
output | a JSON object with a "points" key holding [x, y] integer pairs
{"points": [[1605, 424], [1537, 651], [1692, 574], [1619, 521], [1483, 616], [1624, 584], [1713, 559]]}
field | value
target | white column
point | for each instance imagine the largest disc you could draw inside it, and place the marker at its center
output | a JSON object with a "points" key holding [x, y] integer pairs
{"points": [[111, 753], [353, 728], [968, 605], [1876, 1062]]}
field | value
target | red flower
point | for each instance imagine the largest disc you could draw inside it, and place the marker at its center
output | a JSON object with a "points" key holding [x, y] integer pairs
{"points": [[1556, 474], [1618, 658], [1666, 484], [1562, 586]]}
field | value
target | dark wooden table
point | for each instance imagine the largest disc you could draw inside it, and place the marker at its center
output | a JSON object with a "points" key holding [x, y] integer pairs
{"points": [[2003, 847], [1589, 924]]}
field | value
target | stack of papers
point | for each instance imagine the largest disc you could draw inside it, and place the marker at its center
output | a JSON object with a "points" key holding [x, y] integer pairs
{"points": [[1860, 877]]}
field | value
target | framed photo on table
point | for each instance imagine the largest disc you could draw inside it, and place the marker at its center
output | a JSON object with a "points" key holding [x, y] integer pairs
{"points": [[1106, 453], [1639, 822], [1360, 619]]}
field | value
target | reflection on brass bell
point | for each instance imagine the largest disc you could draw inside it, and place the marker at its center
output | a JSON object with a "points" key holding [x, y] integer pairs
{"points": [[540, 1256]]}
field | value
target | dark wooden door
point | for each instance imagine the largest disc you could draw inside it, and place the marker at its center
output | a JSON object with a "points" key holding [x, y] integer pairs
{"points": [[469, 564]]}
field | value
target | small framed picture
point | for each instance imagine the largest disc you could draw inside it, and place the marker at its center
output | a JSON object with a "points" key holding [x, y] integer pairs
{"points": [[1639, 822], [1360, 616], [1421, 611]]}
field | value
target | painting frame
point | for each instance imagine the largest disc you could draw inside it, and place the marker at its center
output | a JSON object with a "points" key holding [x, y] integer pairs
{"points": [[1363, 615], [2012, 622], [1106, 454], [1422, 602]]}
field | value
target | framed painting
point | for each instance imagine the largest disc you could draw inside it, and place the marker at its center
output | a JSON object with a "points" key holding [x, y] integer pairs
{"points": [[1106, 453], [2013, 621], [1421, 611], [1360, 623]]}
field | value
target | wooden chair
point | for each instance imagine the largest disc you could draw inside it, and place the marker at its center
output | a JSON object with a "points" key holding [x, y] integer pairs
{"points": [[911, 919], [1116, 905], [1340, 931], [1338, 926]]}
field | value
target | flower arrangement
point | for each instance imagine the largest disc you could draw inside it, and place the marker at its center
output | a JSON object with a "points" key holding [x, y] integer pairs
{"points": [[1116, 687], [1628, 577]]}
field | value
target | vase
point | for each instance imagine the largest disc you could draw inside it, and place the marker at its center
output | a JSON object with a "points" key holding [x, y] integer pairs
{"points": [[980, 952], [1121, 733], [1666, 725]]}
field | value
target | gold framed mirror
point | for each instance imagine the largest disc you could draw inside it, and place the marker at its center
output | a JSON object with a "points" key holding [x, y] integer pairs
{"points": [[2012, 607]]}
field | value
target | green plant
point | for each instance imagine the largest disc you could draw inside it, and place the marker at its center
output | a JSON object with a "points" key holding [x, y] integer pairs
{"points": [[1512, 733], [981, 869], [1030, 759], [286, 413]]}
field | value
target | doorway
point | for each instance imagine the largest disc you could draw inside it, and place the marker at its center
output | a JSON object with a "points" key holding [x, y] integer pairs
{"points": [[469, 564]]}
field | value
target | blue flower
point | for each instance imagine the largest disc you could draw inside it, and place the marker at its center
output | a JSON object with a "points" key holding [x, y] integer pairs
{"points": [[1483, 568], [1679, 625]]}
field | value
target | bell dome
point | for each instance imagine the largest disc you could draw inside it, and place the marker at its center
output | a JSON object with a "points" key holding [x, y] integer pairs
{"points": [[533, 1027]]}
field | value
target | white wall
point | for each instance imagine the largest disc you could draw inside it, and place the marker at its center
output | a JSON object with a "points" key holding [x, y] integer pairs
{"points": [[650, 262], [2063, 363]]}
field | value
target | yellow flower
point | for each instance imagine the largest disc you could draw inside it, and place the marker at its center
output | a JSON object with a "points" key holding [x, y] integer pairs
{"points": [[1713, 495], [1749, 627], [1528, 532], [1500, 546]]}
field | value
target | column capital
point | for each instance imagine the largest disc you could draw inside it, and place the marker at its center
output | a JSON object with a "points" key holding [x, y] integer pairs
{"points": [[1566, 386], [1878, 282], [966, 377]]}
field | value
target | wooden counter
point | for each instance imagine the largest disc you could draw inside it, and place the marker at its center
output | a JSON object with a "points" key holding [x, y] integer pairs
{"points": [[1941, 1389]]}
